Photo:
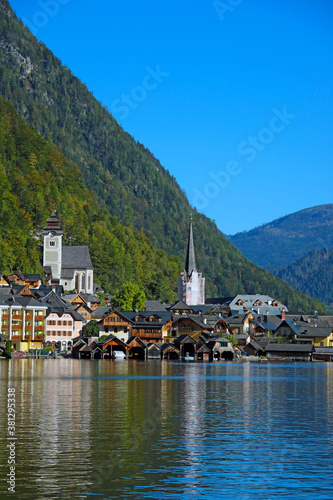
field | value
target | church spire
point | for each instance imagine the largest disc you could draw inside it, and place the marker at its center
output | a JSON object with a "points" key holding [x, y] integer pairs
{"points": [[190, 257]]}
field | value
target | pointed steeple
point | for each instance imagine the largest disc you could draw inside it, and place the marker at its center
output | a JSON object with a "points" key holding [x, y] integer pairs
{"points": [[190, 257]]}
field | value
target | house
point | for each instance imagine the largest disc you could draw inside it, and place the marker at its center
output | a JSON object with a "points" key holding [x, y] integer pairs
{"points": [[4, 281], [221, 348], [116, 323], [169, 351], [23, 322], [287, 330], [186, 345], [153, 351], [136, 348], [149, 326], [69, 266], [181, 308], [62, 326], [318, 336], [193, 325], [253, 348], [85, 312], [239, 323], [111, 346], [293, 352]]}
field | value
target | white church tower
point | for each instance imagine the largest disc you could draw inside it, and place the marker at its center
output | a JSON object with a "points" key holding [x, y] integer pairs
{"points": [[191, 284], [52, 253]]}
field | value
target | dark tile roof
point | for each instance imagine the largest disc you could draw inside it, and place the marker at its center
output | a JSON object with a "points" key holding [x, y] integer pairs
{"points": [[324, 350], [180, 305], [100, 312], [164, 315], [155, 306], [76, 257], [288, 347], [314, 332]]}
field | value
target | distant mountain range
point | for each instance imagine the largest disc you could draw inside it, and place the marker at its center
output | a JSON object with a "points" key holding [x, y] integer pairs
{"points": [[285, 240], [312, 274], [129, 209], [298, 248]]}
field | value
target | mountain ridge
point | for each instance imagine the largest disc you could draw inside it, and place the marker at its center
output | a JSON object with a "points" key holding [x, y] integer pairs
{"points": [[125, 177], [288, 238]]}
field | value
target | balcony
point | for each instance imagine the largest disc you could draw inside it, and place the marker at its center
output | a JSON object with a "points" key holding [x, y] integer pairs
{"points": [[39, 337], [39, 328], [5, 316], [27, 337], [17, 316], [39, 318], [16, 327], [28, 327], [143, 335], [28, 316], [16, 337]]}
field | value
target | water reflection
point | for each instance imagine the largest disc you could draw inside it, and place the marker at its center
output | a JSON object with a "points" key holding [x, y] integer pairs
{"points": [[169, 430]]}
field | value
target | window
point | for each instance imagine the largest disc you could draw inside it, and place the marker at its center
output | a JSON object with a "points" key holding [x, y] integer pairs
{"points": [[65, 323], [52, 243]]}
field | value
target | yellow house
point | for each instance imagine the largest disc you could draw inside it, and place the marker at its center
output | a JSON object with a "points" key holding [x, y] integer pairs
{"points": [[318, 336], [23, 322]]}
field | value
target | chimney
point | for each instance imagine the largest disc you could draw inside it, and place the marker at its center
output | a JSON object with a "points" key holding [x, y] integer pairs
{"points": [[283, 314]]}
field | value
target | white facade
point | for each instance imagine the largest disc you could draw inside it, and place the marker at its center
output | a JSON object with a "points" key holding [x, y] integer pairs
{"points": [[52, 253], [192, 290]]}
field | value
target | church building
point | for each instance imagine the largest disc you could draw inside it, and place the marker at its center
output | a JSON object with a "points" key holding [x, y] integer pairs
{"points": [[69, 266], [191, 284]]}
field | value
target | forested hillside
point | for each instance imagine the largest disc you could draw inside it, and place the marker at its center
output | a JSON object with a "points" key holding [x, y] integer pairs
{"points": [[287, 239], [126, 178], [35, 179], [312, 274]]}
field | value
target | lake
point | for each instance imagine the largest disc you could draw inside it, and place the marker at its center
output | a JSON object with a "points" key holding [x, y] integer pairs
{"points": [[168, 430]]}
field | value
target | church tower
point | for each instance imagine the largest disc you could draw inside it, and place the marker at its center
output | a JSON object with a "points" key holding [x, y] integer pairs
{"points": [[52, 253], [191, 284]]}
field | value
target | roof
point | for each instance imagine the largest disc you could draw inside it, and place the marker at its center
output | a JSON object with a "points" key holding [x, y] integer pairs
{"points": [[155, 306], [290, 324], [180, 305], [236, 319], [53, 224], [314, 331], [324, 350], [289, 348], [190, 265], [100, 312], [76, 257], [130, 315], [32, 277]]}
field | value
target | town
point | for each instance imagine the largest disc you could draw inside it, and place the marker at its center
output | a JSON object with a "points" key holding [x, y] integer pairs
{"points": [[49, 315]]}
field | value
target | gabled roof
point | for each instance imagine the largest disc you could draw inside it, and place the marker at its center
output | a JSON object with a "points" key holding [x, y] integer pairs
{"points": [[136, 339], [100, 312], [76, 257], [180, 305], [182, 338], [294, 327], [166, 346], [155, 306], [314, 331]]}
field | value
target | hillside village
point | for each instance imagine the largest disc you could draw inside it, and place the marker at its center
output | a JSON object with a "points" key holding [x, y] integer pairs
{"points": [[50, 312]]}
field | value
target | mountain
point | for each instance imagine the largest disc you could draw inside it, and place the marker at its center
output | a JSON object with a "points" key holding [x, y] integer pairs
{"points": [[126, 180], [285, 240], [312, 274], [35, 178]]}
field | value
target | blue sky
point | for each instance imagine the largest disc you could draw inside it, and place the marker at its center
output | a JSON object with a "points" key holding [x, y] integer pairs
{"points": [[234, 97]]}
